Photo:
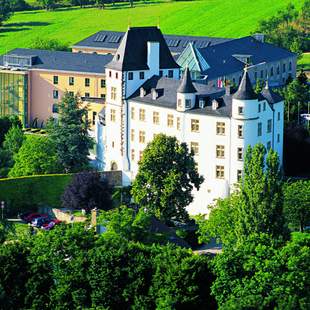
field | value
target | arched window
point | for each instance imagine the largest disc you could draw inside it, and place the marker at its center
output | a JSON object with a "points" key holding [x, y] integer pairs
{"points": [[113, 166], [55, 108]]}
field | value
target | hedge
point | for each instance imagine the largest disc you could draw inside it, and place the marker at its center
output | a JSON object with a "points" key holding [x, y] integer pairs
{"points": [[27, 193]]}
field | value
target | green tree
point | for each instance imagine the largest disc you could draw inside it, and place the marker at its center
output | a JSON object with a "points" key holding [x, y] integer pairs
{"points": [[297, 203], [5, 10], [70, 135], [48, 4], [6, 122], [36, 156], [51, 45], [166, 177], [260, 205], [13, 140], [261, 274]]}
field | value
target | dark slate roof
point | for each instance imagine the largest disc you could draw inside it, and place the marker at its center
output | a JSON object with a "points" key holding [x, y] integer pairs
{"points": [[245, 90], [64, 61], [132, 51], [269, 95], [167, 96], [186, 86], [111, 39], [222, 62]]}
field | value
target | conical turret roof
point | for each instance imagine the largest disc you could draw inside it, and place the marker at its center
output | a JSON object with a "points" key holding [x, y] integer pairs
{"points": [[186, 86], [245, 90], [270, 95]]}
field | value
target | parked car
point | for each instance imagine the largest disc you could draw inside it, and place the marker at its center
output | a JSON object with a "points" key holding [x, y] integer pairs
{"points": [[39, 221], [30, 217]]}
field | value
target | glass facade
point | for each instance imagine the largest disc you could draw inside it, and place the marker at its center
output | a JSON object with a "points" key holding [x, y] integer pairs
{"points": [[14, 95]]}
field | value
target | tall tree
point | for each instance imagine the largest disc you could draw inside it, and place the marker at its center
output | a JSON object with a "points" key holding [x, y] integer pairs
{"points": [[13, 140], [297, 203], [70, 134], [260, 205], [87, 191], [165, 180], [5, 10], [36, 156]]}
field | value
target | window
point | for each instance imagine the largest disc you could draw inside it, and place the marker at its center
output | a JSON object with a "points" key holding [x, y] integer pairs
{"points": [[132, 113], [87, 82], [259, 108], [271, 71], [102, 83], [116, 75], [290, 66], [113, 115], [220, 151], [220, 128], [71, 93], [239, 153], [130, 75], [160, 73], [87, 95], [170, 73], [142, 115], [110, 73], [141, 75], [132, 135], [55, 79], [132, 154], [268, 145], [113, 93], [55, 94], [179, 103], [113, 144], [195, 148], [262, 74], [264, 106], [156, 118], [284, 67], [195, 125], [259, 129], [239, 175], [71, 80], [142, 136], [55, 108], [255, 75], [188, 103], [240, 131], [140, 155], [278, 138], [278, 70], [178, 123], [170, 120], [269, 123], [279, 116], [219, 172], [240, 110], [102, 96], [94, 118]]}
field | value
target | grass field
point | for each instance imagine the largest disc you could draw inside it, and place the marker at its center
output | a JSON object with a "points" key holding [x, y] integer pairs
{"points": [[209, 17], [304, 62]]}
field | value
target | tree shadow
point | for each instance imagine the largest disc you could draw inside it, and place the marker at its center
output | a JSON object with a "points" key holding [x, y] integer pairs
{"points": [[23, 24], [2, 30]]}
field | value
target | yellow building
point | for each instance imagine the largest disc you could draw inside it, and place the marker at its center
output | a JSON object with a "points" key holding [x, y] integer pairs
{"points": [[32, 83]]}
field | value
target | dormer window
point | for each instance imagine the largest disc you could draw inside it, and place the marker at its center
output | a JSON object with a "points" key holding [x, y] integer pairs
{"points": [[179, 103], [130, 75], [170, 73], [240, 110], [118, 57], [201, 103], [188, 103], [141, 75]]}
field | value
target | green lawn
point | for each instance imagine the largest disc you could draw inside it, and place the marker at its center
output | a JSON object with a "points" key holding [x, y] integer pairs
{"points": [[209, 17], [304, 62]]}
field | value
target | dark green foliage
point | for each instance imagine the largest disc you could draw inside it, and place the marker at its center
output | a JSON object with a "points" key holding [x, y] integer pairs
{"points": [[26, 193], [6, 122], [70, 135], [297, 203], [6, 10], [87, 191], [13, 140], [166, 177], [36, 156], [48, 4], [51, 45], [260, 274]]}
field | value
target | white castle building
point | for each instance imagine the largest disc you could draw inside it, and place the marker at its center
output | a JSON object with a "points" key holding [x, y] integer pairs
{"points": [[145, 96]]}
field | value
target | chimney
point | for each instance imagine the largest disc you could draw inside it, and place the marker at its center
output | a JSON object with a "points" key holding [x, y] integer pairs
{"points": [[228, 90], [215, 104], [153, 55], [154, 94], [142, 92]]}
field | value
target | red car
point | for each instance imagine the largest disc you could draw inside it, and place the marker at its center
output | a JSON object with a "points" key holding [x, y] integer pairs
{"points": [[30, 217]]}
